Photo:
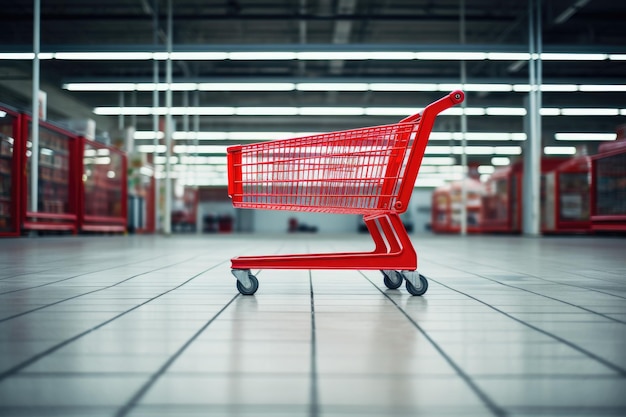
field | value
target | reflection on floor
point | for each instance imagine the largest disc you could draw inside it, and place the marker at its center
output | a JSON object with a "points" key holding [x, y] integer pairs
{"points": [[153, 326]]}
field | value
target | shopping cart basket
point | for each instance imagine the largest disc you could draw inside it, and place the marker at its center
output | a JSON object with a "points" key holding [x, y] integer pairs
{"points": [[369, 171]]}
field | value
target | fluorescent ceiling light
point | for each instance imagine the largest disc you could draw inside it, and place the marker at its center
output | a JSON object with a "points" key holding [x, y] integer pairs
{"points": [[550, 111], [601, 87], [590, 112], [184, 86], [508, 56], [559, 150], [617, 57], [246, 86], [500, 161], [272, 135], [266, 111], [428, 183], [505, 111], [559, 87], [508, 150], [332, 86], [486, 169], [403, 87], [585, 136], [466, 56], [100, 86], [215, 149], [203, 160], [438, 161], [260, 56], [193, 56], [211, 111], [116, 56], [339, 111], [17, 55], [487, 87], [337, 86], [521, 88], [325, 56], [350, 111], [573, 57], [402, 56], [151, 148]]}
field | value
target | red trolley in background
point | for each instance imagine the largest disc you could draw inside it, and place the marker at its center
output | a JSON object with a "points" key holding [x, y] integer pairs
{"points": [[369, 171]]}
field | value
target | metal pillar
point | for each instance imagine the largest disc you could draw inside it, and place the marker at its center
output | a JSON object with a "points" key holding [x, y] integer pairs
{"points": [[196, 129], [531, 204], [167, 216], [155, 116], [34, 162], [463, 132]]}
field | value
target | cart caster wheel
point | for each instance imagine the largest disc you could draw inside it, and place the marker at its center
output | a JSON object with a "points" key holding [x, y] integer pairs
{"points": [[254, 285], [417, 291], [392, 279]]}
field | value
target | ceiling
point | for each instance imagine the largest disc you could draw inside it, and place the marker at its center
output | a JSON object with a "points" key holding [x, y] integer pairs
{"points": [[578, 26]]}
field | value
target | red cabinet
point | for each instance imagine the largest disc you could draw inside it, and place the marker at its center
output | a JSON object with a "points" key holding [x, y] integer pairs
{"points": [[502, 203], [56, 186], [102, 189], [447, 205], [608, 190], [568, 197], [9, 168]]}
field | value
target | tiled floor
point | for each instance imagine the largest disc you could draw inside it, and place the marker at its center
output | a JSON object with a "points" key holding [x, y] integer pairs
{"points": [[145, 326]]}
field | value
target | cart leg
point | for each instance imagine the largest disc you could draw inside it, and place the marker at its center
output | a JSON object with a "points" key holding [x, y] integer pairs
{"points": [[413, 277], [247, 284], [392, 279], [393, 251]]}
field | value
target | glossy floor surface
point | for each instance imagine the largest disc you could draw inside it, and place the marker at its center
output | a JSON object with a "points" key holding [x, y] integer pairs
{"points": [[153, 326]]}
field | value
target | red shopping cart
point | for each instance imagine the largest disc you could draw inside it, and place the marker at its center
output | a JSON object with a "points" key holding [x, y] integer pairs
{"points": [[369, 171]]}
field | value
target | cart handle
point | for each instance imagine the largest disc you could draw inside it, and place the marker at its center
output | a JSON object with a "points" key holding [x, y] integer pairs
{"points": [[426, 121], [440, 105]]}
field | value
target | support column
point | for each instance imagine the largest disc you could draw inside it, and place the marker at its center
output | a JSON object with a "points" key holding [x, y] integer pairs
{"points": [[463, 131], [34, 161], [167, 219], [531, 204], [155, 118]]}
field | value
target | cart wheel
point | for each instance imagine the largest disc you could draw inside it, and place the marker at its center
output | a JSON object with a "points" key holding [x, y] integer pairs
{"points": [[250, 290], [391, 283], [417, 291]]}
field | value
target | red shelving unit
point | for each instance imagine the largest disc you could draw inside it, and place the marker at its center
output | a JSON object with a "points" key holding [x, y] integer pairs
{"points": [[502, 203], [608, 187], [56, 187], [446, 207], [10, 138], [103, 188], [568, 197]]}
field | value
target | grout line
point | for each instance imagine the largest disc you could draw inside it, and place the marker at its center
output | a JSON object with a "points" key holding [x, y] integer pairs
{"points": [[126, 408], [91, 292], [17, 368], [539, 294], [489, 403], [79, 275], [610, 365], [314, 395], [543, 279]]}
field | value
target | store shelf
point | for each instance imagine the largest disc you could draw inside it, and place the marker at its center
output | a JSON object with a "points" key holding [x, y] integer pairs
{"points": [[609, 188], [102, 189], [9, 165], [56, 188]]}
